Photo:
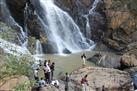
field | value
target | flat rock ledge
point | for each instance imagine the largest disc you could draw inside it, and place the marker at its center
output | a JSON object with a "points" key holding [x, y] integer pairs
{"points": [[112, 79]]}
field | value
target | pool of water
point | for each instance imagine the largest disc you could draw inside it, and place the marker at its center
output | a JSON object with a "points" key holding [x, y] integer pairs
{"points": [[68, 62], [65, 62]]}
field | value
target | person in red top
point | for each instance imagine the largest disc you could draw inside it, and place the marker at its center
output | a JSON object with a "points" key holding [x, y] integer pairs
{"points": [[84, 83]]}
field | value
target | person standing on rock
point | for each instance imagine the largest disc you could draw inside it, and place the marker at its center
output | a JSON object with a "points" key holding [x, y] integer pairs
{"points": [[84, 83], [52, 70], [66, 82], [103, 88], [40, 63], [45, 62], [83, 57], [49, 63], [47, 72], [36, 74]]}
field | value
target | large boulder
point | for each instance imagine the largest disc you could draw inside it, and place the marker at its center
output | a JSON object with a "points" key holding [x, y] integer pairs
{"points": [[11, 83], [105, 60], [128, 60], [111, 79], [133, 73]]}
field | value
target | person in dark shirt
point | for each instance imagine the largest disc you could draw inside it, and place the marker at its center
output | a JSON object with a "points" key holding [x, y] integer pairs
{"points": [[45, 62], [52, 70], [66, 82], [103, 88]]}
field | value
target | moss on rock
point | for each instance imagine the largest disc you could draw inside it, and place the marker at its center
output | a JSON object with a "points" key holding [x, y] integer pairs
{"points": [[7, 33]]}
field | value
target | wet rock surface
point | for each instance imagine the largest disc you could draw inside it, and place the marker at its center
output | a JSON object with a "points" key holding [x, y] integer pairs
{"points": [[105, 60]]}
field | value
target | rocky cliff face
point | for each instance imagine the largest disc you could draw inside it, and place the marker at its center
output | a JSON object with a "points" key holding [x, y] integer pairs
{"points": [[122, 24], [113, 80]]}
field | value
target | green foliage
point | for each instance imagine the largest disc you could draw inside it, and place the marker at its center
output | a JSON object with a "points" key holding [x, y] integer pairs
{"points": [[6, 32], [15, 66], [23, 87]]}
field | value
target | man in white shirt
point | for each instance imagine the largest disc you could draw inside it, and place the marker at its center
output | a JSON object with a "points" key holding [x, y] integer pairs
{"points": [[36, 74], [47, 72], [83, 57]]}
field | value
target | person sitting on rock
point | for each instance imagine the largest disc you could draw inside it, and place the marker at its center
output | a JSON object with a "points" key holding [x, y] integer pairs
{"points": [[84, 83], [42, 83], [55, 83]]}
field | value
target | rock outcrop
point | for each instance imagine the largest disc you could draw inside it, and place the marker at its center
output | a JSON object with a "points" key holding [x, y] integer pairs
{"points": [[16, 8], [128, 60], [12, 83], [107, 60], [122, 24], [133, 73], [113, 80]]}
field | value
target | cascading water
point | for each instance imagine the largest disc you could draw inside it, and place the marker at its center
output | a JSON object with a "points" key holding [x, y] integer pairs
{"points": [[88, 30], [91, 12], [62, 30], [11, 47], [10, 21], [39, 49]]}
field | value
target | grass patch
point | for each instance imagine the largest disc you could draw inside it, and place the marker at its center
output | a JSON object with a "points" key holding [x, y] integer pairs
{"points": [[15, 66]]}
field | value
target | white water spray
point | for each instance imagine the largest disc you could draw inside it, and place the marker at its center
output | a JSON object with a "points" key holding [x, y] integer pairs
{"points": [[39, 49], [12, 48], [9, 47], [63, 31], [10, 21], [92, 10]]}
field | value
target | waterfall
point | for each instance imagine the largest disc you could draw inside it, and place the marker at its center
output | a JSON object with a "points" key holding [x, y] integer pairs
{"points": [[88, 30], [62, 30], [39, 49], [92, 10], [8, 19], [12, 48]]}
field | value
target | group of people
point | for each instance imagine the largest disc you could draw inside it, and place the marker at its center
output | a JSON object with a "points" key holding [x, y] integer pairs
{"points": [[48, 69]]}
